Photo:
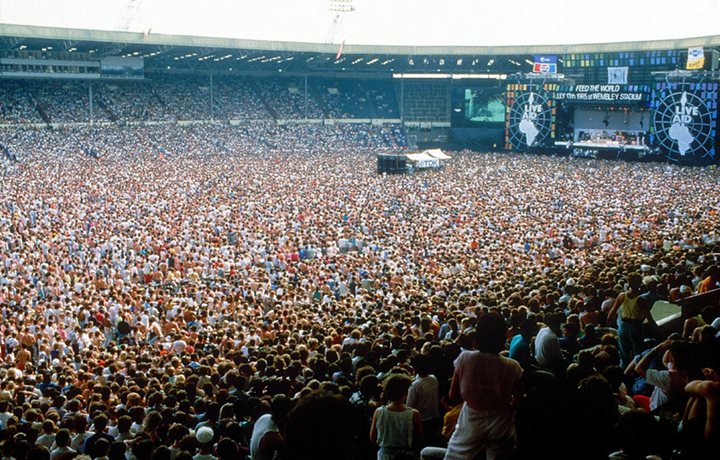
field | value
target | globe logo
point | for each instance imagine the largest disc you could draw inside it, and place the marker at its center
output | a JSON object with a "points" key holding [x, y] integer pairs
{"points": [[530, 120], [683, 125]]}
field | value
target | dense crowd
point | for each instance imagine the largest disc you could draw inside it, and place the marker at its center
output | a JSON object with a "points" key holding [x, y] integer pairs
{"points": [[200, 139], [345, 99], [236, 100], [287, 96], [169, 98], [16, 105], [66, 102], [215, 292]]}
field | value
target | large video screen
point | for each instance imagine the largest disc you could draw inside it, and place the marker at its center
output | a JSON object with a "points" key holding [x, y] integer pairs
{"points": [[485, 105], [478, 106]]}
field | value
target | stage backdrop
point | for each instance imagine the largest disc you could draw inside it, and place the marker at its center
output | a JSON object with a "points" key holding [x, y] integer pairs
{"points": [[529, 115], [685, 121]]}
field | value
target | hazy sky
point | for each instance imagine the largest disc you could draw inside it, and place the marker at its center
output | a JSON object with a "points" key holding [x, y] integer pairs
{"points": [[387, 22]]}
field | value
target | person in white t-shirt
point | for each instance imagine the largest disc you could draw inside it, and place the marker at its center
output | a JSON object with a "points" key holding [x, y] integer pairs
{"points": [[62, 440]]}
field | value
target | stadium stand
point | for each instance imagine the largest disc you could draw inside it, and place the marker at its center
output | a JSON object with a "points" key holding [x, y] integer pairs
{"points": [[235, 99], [344, 98], [16, 104], [201, 273], [287, 97]]}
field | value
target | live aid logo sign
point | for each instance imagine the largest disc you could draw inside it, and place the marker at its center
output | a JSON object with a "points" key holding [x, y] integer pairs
{"points": [[685, 113], [531, 111]]}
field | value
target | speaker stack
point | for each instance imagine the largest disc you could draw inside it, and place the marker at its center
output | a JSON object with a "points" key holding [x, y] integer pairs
{"points": [[391, 164]]}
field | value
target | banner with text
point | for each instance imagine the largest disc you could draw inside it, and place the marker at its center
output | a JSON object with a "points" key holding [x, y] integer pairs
{"points": [[602, 93]]}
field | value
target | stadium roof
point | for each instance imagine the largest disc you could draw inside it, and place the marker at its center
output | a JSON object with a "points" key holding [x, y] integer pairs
{"points": [[179, 52], [382, 22]]}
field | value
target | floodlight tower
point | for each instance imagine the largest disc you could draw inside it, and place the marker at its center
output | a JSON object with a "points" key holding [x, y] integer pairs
{"points": [[128, 15], [337, 9]]}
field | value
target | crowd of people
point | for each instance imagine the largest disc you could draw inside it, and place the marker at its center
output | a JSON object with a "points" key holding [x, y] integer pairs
{"points": [[168, 98], [345, 99], [218, 292], [287, 96], [16, 105], [199, 139]]}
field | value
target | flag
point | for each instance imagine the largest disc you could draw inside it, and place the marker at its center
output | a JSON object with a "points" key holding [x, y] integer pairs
{"points": [[340, 51], [545, 64], [696, 58], [617, 75], [147, 32]]}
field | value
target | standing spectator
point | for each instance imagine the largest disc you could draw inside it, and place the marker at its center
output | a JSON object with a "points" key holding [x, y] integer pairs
{"points": [[266, 439], [547, 345], [424, 395], [632, 309], [205, 436], [100, 421], [396, 428], [62, 440], [491, 387], [47, 439]]}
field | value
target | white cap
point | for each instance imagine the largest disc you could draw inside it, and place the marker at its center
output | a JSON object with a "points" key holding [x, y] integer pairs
{"points": [[204, 435]]}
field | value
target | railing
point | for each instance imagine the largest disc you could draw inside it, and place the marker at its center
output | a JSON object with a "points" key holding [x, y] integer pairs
{"points": [[691, 306]]}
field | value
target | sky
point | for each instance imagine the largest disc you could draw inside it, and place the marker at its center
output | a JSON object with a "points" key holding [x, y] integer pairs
{"points": [[385, 22]]}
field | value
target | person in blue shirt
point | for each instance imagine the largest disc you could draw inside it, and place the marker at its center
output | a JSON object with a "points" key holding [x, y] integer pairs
{"points": [[520, 344]]}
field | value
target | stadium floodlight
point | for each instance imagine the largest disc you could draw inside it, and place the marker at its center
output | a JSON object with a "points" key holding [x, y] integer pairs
{"points": [[337, 9], [341, 6]]}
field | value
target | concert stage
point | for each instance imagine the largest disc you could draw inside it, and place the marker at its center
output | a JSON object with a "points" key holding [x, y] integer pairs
{"points": [[601, 146]]}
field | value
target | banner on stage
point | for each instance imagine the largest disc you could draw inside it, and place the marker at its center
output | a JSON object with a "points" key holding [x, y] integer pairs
{"points": [[696, 58], [545, 64], [617, 75], [599, 93]]}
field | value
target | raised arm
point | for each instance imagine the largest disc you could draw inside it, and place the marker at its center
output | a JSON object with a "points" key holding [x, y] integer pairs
{"points": [[710, 391], [644, 364]]}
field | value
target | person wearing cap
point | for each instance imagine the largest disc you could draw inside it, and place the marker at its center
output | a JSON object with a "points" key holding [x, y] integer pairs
{"points": [[205, 436]]}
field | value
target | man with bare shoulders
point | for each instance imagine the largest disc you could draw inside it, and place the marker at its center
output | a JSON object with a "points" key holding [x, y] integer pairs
{"points": [[23, 357]]}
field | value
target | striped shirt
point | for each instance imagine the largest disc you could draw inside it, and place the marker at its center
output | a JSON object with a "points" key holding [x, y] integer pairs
{"points": [[424, 395]]}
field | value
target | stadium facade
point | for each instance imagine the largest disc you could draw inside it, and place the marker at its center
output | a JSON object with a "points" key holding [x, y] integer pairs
{"points": [[654, 100]]}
